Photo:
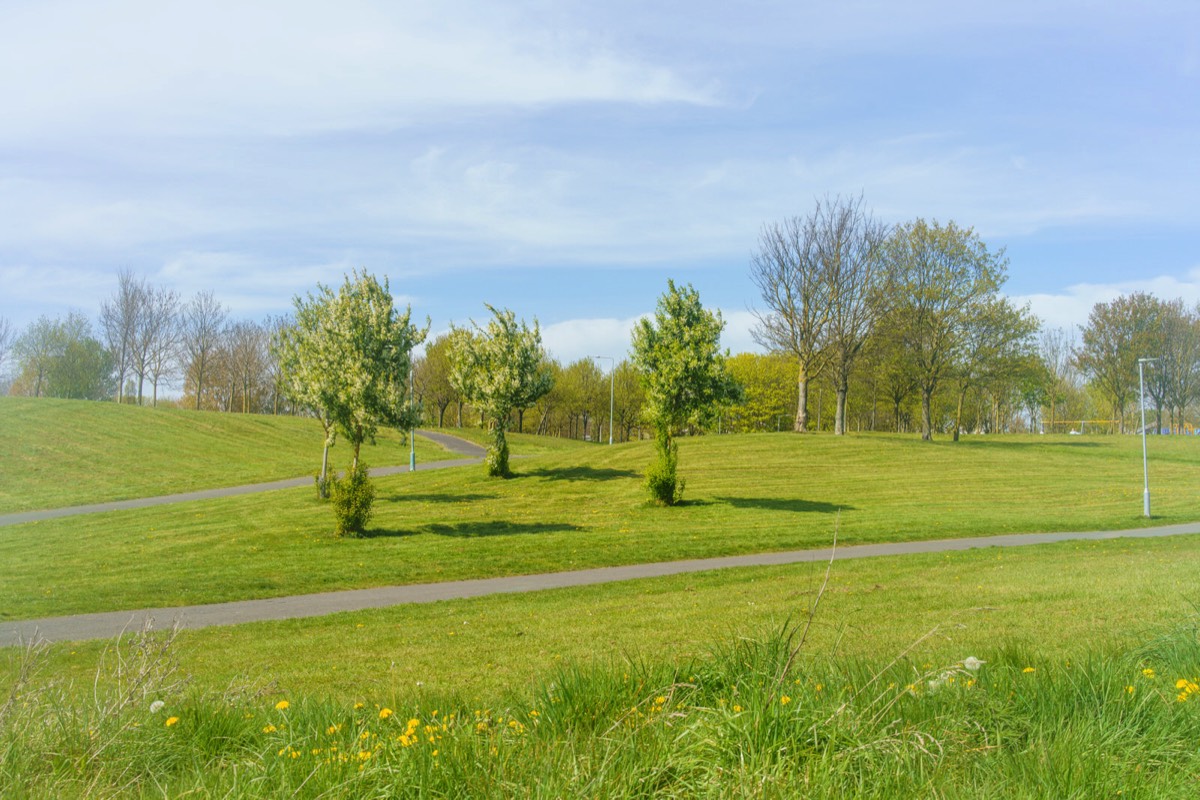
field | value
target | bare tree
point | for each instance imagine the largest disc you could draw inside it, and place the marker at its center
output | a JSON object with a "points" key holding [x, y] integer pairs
{"points": [[1182, 362], [155, 337], [202, 320], [248, 344], [1056, 346], [120, 318], [7, 336], [789, 274], [850, 248]]}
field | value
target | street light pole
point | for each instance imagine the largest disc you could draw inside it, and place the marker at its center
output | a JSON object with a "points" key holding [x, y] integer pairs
{"points": [[412, 432], [612, 378], [1145, 463]]}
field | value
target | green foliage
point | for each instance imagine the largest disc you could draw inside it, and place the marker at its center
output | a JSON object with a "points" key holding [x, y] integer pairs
{"points": [[352, 497], [1116, 336], [683, 371], [769, 387], [666, 487], [942, 277], [499, 369], [347, 357], [60, 358]]}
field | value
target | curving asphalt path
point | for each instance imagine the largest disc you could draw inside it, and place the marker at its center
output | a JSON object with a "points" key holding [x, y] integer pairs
{"points": [[473, 452], [107, 625]]}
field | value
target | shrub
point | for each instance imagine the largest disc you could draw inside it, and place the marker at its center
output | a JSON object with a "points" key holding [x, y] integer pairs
{"points": [[496, 460], [664, 485], [353, 495]]}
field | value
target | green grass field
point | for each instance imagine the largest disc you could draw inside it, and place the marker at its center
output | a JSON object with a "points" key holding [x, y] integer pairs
{"points": [[671, 681], [584, 506], [58, 453], [664, 687]]}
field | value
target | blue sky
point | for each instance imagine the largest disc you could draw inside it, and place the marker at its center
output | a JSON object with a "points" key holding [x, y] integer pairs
{"points": [[565, 158]]}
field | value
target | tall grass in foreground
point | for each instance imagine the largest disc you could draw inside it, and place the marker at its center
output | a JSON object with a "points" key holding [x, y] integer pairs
{"points": [[738, 722]]}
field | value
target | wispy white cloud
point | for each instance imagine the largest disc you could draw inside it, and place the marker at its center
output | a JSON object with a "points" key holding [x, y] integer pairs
{"points": [[570, 340], [284, 68], [1070, 307]]}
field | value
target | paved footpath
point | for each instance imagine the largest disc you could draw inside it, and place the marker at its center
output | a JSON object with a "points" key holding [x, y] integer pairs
{"points": [[473, 452], [107, 625]]}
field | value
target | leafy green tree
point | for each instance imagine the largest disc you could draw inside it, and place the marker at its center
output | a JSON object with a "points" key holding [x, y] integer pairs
{"points": [[346, 357], [60, 358], [998, 340], [683, 371], [499, 369], [630, 396], [432, 376], [941, 277], [1116, 336], [769, 392]]}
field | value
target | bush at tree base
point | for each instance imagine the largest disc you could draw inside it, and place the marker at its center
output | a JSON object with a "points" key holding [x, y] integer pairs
{"points": [[664, 485], [352, 497]]}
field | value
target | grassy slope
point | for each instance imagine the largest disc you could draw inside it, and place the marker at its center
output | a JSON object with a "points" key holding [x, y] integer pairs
{"points": [[60, 453], [585, 507]]}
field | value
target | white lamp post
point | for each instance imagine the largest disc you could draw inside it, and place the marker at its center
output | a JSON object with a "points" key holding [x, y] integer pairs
{"points": [[612, 377], [412, 433], [1145, 463]]}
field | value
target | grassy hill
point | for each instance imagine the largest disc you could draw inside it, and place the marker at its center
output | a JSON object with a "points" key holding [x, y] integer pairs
{"points": [[648, 687], [586, 507], [67, 452]]}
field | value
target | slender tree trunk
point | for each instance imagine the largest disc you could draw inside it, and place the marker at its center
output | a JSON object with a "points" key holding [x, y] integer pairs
{"points": [[323, 483], [801, 425], [962, 395], [460, 405], [442, 414], [927, 413], [839, 420]]}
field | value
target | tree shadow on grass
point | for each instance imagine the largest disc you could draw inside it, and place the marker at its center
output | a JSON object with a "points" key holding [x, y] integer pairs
{"points": [[474, 530], [792, 504], [581, 473], [441, 497], [996, 442]]}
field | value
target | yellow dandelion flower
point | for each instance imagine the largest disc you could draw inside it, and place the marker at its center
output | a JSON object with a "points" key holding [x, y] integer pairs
{"points": [[737, 709], [357, 706], [332, 729], [783, 701], [1148, 672], [384, 713], [269, 729], [1028, 670], [1129, 690], [171, 721], [282, 705]]}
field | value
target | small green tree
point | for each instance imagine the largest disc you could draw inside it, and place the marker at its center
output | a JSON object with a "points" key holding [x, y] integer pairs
{"points": [[347, 358], [498, 369], [683, 371]]}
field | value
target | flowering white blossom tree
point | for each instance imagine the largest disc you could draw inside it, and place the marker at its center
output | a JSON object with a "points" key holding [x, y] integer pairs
{"points": [[346, 356], [498, 369]]}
